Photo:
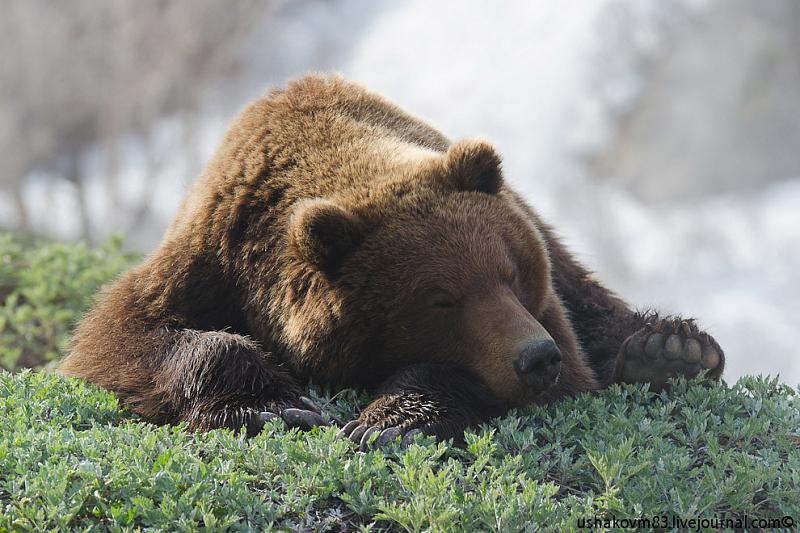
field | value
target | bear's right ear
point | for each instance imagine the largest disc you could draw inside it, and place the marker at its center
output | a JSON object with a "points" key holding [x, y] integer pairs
{"points": [[323, 233], [473, 165]]}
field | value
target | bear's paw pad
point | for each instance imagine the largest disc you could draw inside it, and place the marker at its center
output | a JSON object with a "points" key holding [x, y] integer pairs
{"points": [[666, 348]]}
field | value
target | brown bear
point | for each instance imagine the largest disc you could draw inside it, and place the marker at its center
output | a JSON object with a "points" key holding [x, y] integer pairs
{"points": [[337, 239]]}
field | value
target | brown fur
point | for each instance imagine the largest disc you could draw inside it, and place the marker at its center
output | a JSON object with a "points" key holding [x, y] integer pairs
{"points": [[334, 237]]}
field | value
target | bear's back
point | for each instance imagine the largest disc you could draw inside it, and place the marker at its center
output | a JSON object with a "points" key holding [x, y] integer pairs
{"points": [[319, 137]]}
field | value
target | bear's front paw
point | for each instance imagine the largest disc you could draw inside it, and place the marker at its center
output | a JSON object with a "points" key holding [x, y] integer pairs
{"points": [[403, 416], [666, 348]]}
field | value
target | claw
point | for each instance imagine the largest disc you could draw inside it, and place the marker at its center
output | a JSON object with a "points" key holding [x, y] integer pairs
{"points": [[266, 416], [258, 421], [387, 436], [309, 404], [364, 443], [348, 428], [408, 438], [357, 433], [302, 418]]}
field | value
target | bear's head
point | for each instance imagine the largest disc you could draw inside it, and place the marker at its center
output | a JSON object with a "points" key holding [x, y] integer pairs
{"points": [[442, 267]]}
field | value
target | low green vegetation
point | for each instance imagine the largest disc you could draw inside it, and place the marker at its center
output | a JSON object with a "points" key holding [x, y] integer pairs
{"points": [[71, 457], [44, 289]]}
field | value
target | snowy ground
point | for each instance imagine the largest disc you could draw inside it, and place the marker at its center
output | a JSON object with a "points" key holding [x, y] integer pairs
{"points": [[524, 75]]}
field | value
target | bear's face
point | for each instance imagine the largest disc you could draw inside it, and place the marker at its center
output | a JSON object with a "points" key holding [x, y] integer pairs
{"points": [[464, 284], [442, 272]]}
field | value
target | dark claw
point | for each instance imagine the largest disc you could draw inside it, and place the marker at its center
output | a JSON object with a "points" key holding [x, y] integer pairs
{"points": [[348, 428], [309, 404], [364, 444], [335, 420], [266, 416], [357, 433], [387, 435], [258, 422], [303, 419], [361, 434], [409, 437]]}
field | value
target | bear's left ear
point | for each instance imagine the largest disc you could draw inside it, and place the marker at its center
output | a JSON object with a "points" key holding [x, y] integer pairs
{"points": [[323, 233], [473, 165]]}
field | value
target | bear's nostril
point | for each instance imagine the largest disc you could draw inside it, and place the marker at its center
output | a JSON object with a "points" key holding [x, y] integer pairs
{"points": [[538, 357]]}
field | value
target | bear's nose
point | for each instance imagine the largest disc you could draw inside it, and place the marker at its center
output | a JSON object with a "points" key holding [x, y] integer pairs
{"points": [[539, 363]]}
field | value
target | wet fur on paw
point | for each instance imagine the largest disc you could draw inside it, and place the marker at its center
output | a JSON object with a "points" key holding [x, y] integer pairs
{"points": [[668, 347]]}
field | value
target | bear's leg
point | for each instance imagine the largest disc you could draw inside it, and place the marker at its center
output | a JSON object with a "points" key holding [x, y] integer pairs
{"points": [[215, 379], [434, 399]]}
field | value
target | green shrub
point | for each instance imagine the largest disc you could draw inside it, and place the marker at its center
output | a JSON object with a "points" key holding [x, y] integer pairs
{"points": [[70, 457], [44, 289]]}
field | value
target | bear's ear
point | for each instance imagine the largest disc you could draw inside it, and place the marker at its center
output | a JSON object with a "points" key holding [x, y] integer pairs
{"points": [[474, 165], [323, 233]]}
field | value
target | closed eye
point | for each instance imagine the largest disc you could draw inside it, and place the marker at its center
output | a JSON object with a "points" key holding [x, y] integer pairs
{"points": [[441, 299]]}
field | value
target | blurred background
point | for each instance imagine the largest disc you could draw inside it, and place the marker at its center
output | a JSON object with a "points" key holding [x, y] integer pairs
{"points": [[661, 137]]}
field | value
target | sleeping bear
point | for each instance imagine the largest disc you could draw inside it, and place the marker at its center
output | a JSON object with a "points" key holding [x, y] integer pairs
{"points": [[337, 239]]}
